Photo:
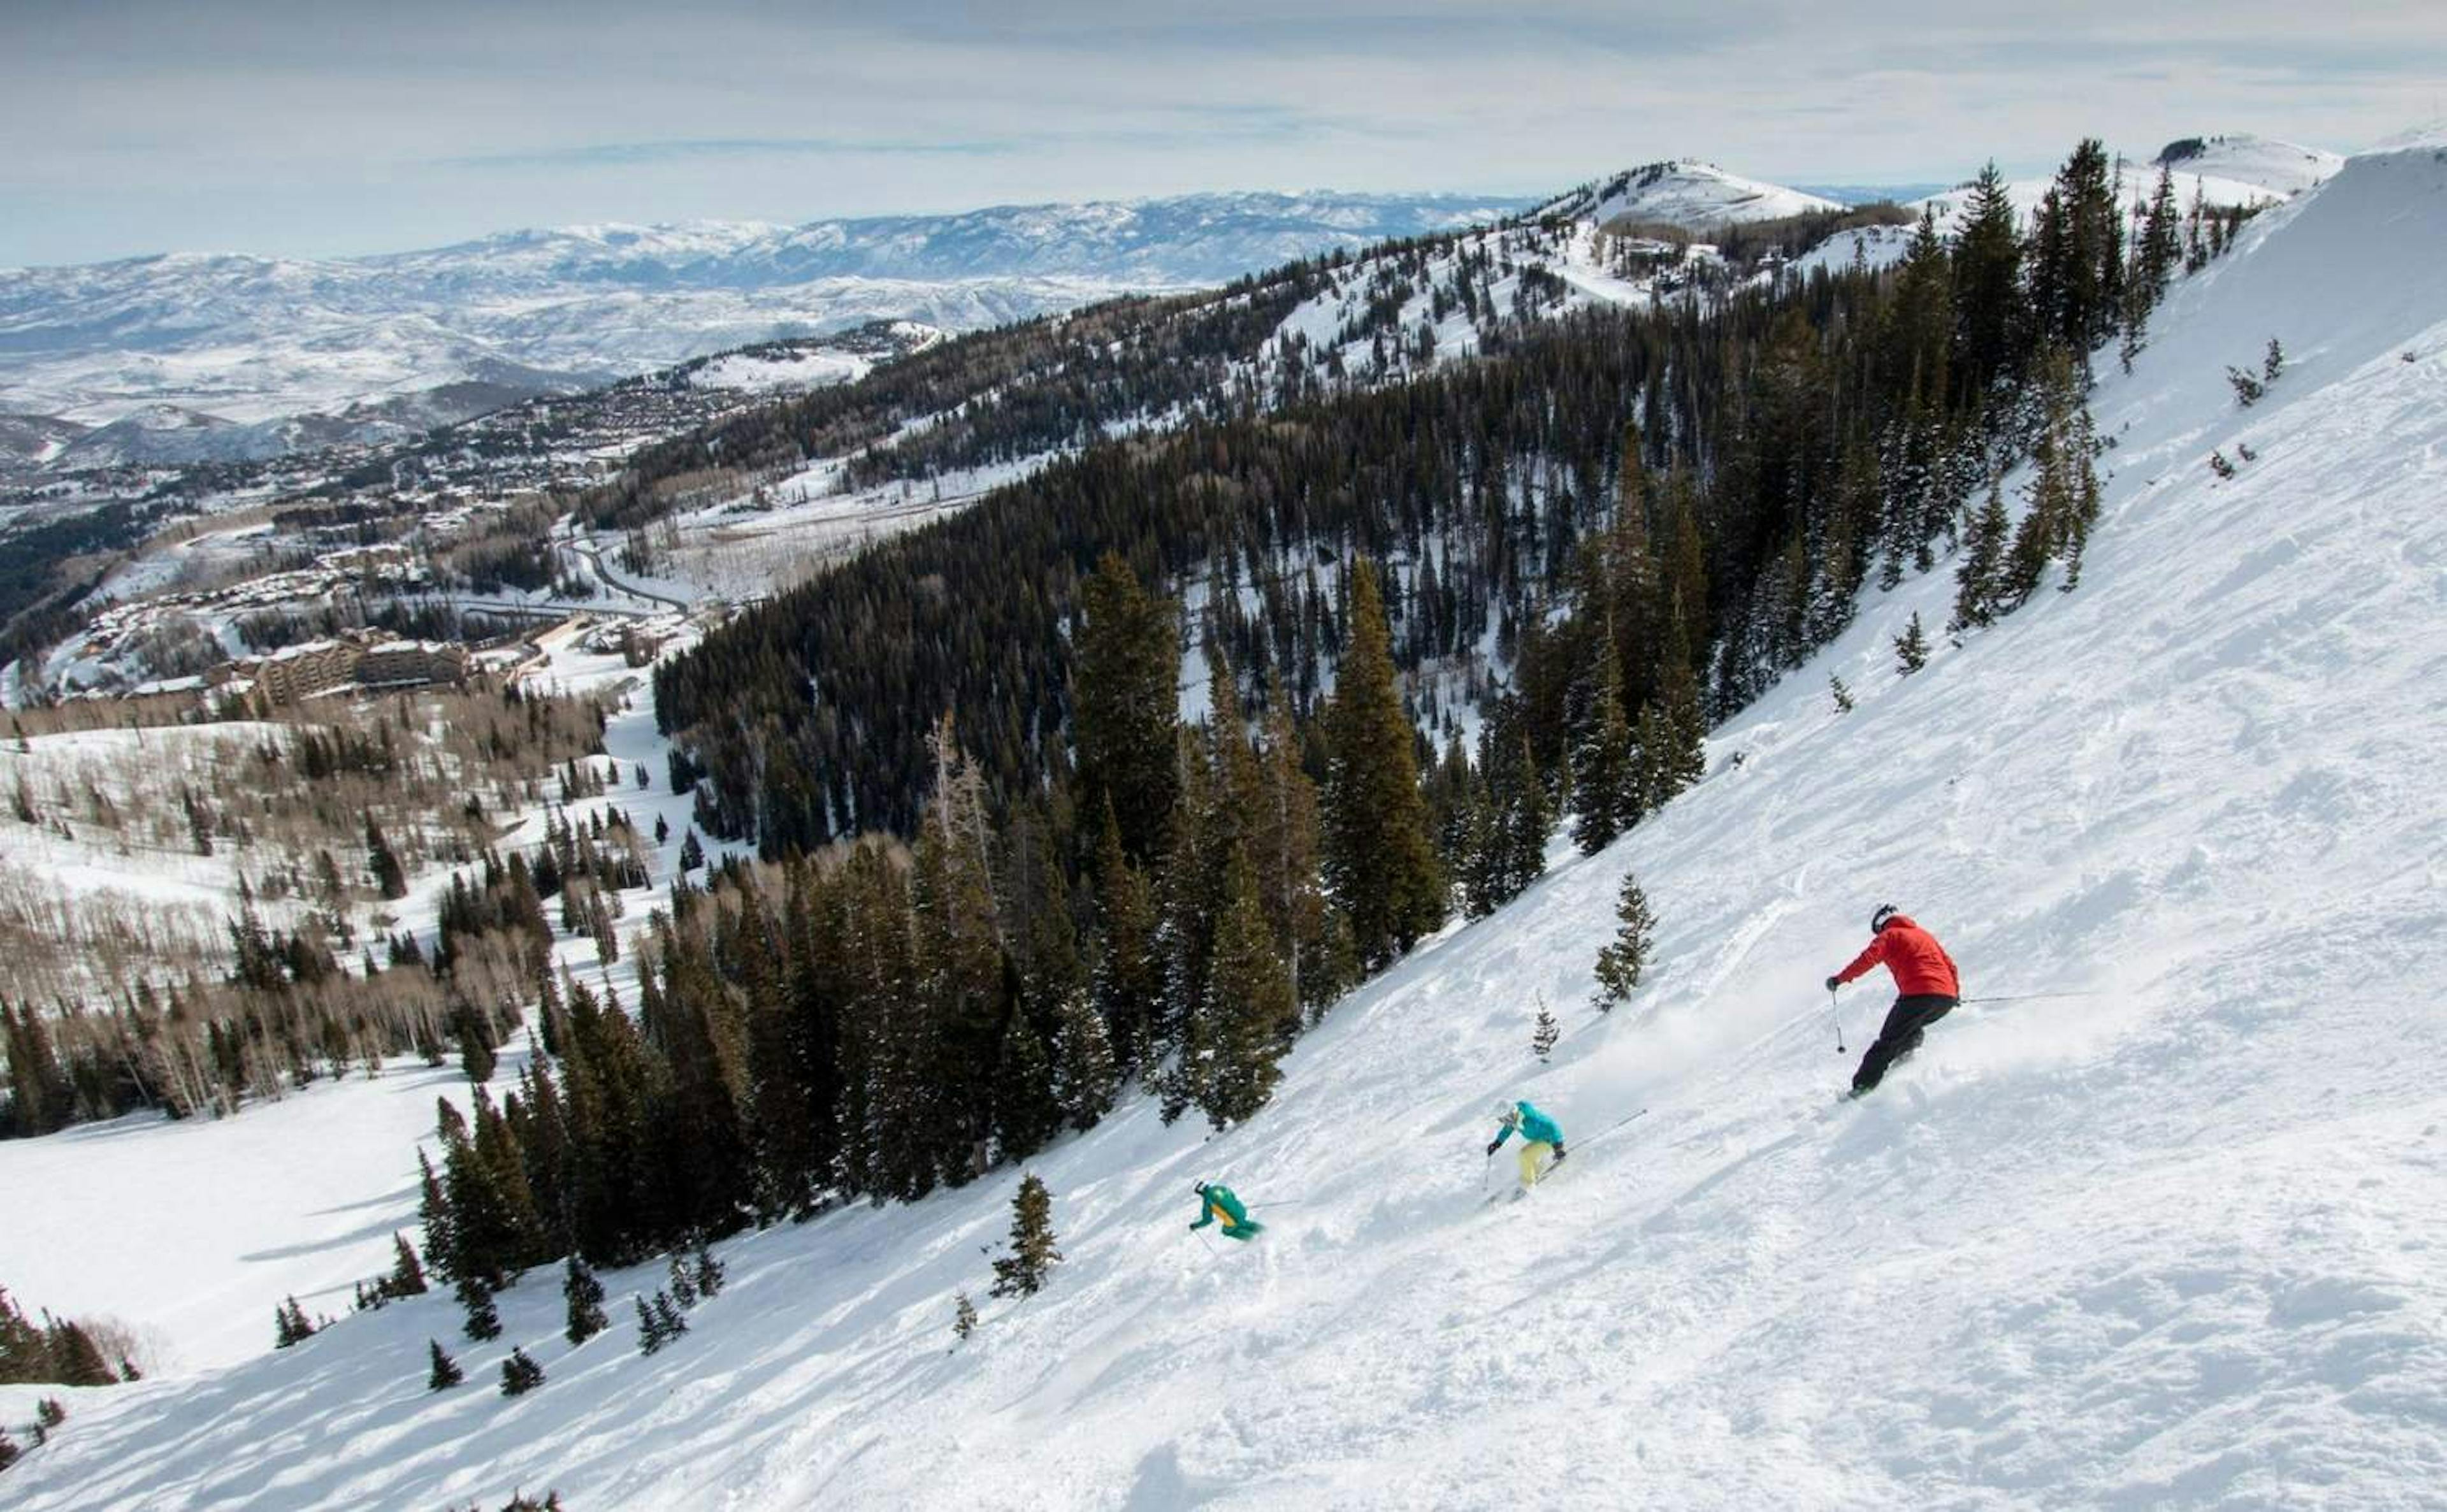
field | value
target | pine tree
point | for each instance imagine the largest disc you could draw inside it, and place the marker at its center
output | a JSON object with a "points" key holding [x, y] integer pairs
{"points": [[1543, 1032], [445, 1373], [483, 1321], [692, 851], [668, 1318], [9, 1453], [406, 1276], [1127, 707], [709, 1271], [1621, 959], [520, 1373], [1127, 981], [290, 1324], [1605, 770], [1086, 1080], [1249, 1011], [390, 877], [1842, 694], [1528, 819], [1022, 1273], [683, 1287], [650, 1328], [1980, 583], [2272, 364], [964, 1317], [1381, 860], [583, 1294], [49, 1415], [1911, 648]]}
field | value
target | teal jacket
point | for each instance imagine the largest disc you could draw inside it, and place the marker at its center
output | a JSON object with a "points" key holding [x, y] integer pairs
{"points": [[1218, 1199], [1535, 1127]]}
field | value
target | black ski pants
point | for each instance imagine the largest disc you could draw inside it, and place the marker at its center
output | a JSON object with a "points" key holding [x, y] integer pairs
{"points": [[1901, 1036]]}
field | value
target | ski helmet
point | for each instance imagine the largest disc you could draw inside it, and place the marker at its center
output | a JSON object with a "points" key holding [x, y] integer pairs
{"points": [[1506, 1113], [1885, 916]]}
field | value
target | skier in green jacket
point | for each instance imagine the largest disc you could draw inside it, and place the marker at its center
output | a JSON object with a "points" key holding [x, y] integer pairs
{"points": [[1216, 1201], [1540, 1136]]}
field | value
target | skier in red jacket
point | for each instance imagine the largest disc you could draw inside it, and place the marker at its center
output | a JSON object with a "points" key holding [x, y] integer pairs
{"points": [[1925, 983]]}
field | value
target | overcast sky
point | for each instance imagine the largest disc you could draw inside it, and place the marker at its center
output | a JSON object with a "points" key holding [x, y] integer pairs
{"points": [[339, 127]]}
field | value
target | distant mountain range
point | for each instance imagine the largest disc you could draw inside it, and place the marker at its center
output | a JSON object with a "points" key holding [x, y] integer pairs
{"points": [[220, 355], [211, 357]]}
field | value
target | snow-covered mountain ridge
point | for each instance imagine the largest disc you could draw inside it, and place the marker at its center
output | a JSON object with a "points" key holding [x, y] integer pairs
{"points": [[2164, 1244]]}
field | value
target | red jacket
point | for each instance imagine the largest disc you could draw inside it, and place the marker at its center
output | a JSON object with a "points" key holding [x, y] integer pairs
{"points": [[1919, 962]]}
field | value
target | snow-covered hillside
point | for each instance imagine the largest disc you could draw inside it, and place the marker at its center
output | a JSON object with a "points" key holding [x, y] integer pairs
{"points": [[2282, 167], [250, 339], [2169, 1243], [1689, 194]]}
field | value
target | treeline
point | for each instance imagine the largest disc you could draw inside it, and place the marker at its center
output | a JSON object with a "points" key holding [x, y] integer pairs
{"points": [[326, 821], [60, 1352]]}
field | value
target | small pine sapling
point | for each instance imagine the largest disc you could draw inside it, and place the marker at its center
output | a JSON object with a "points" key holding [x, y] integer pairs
{"points": [[709, 1272], [49, 1414], [683, 1287], [1911, 648], [1543, 1032], [650, 1328], [445, 1373], [668, 1317], [584, 1295], [2248, 388], [290, 1324], [964, 1317], [483, 1321], [2219, 465], [1022, 1272], [2272, 363], [520, 1373], [1842, 694], [2242, 449], [1621, 961]]}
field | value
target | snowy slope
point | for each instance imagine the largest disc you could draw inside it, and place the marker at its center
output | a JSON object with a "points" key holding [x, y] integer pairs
{"points": [[1681, 192], [2286, 167], [2168, 1245]]}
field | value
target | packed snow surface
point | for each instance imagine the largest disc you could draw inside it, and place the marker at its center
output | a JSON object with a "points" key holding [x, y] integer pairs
{"points": [[2169, 1243]]}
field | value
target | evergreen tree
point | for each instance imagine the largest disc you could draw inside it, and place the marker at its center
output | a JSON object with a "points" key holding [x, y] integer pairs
{"points": [[9, 1453], [1022, 1273], [709, 1271], [668, 1318], [406, 1276], [2273, 363], [1381, 860], [583, 1294], [1989, 321], [1528, 819], [445, 1373], [651, 1336], [1911, 648], [1128, 703], [77, 1361], [964, 1317], [1085, 1079], [483, 1321], [1250, 1010], [692, 851], [1128, 979], [1842, 694], [683, 1287], [390, 878], [520, 1373], [1543, 1032], [1982, 583], [1621, 959], [1605, 771], [290, 1324]]}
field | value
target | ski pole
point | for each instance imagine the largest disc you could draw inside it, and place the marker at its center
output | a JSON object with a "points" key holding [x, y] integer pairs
{"points": [[1839, 1020], [2028, 997], [1611, 1128]]}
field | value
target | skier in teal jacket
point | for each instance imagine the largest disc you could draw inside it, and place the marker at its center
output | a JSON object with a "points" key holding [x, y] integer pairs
{"points": [[1214, 1202], [1539, 1135]]}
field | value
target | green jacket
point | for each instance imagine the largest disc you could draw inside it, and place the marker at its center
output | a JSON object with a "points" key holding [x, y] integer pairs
{"points": [[1220, 1203]]}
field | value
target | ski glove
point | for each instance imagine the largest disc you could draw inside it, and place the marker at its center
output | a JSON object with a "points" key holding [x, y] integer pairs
{"points": [[1491, 1144], [1834, 982]]}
